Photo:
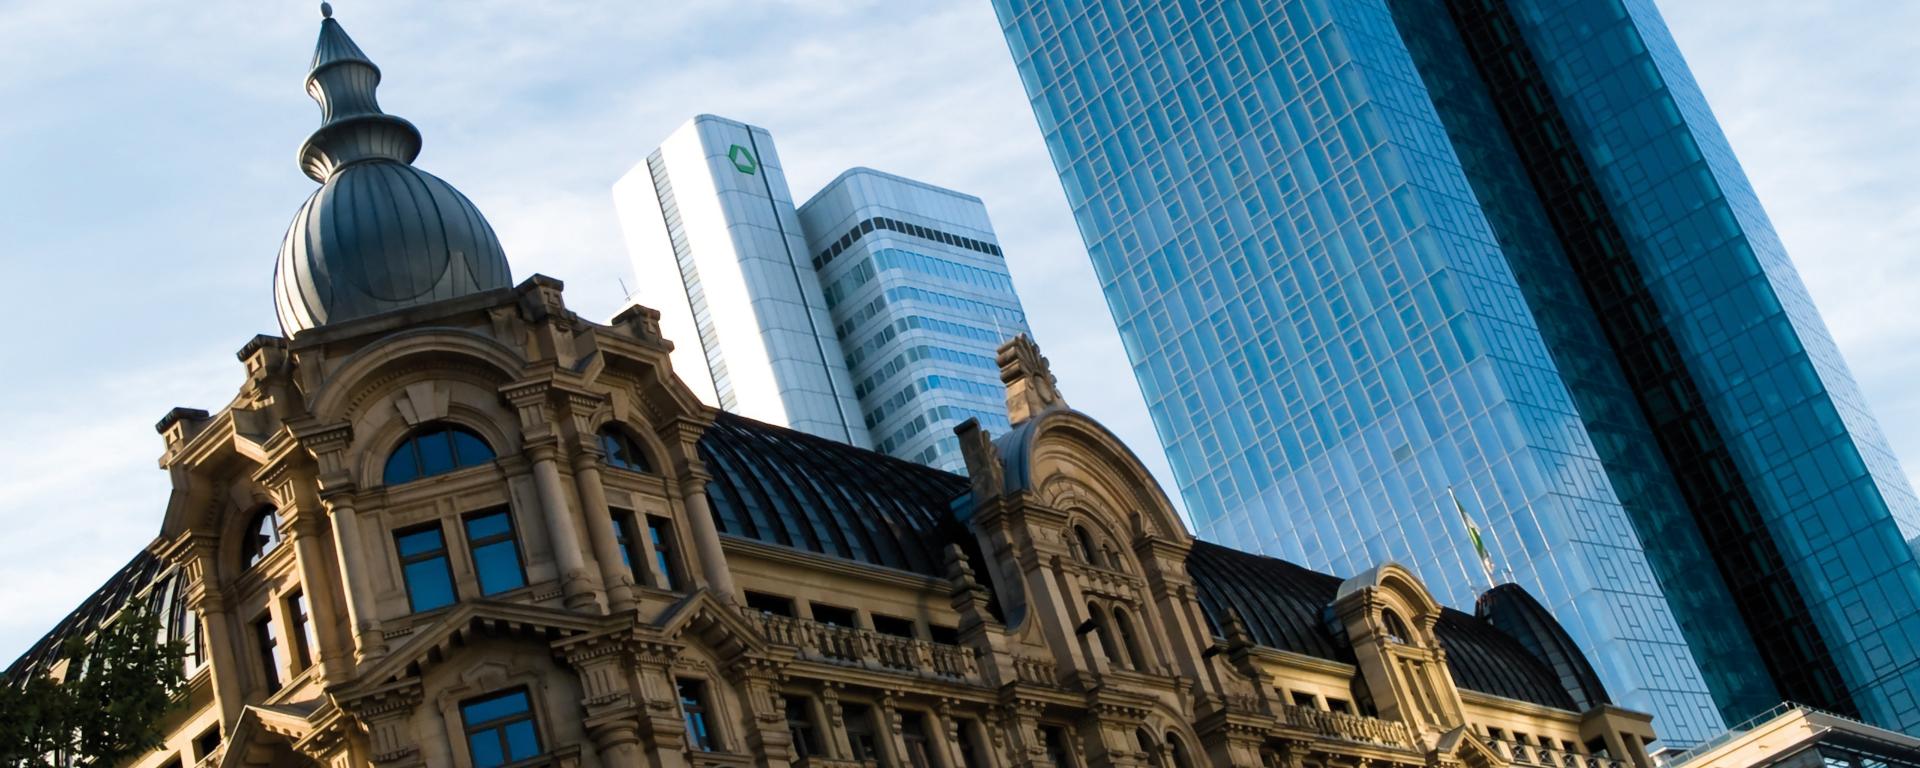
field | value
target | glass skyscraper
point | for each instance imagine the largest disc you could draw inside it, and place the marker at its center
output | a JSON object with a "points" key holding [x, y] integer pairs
{"points": [[869, 315], [921, 301], [1369, 257]]}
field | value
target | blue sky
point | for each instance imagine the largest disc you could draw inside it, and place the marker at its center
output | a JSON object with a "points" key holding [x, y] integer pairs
{"points": [[147, 174]]}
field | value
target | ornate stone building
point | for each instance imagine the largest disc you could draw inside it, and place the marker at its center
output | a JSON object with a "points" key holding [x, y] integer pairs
{"points": [[448, 522]]}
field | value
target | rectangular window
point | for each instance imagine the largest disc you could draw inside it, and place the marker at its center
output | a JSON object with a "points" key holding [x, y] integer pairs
{"points": [[496, 556], [893, 625], [693, 708], [206, 742], [626, 539], [660, 532], [500, 729], [860, 733], [835, 615], [943, 634], [1308, 700], [423, 564], [800, 726], [1339, 705], [774, 604], [303, 639], [913, 727], [271, 658], [1055, 739]]}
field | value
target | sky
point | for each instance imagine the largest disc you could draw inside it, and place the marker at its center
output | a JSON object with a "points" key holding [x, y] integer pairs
{"points": [[147, 175]]}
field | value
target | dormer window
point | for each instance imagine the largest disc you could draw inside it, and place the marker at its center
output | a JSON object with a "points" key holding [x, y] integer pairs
{"points": [[623, 452], [435, 449], [1395, 627], [262, 536]]}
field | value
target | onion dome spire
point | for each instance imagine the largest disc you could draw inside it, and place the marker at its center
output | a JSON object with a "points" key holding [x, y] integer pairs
{"points": [[342, 79], [379, 235]]}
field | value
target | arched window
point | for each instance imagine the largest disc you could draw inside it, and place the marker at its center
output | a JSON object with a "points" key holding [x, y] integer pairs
{"points": [[622, 450], [1177, 751], [262, 536], [1150, 750], [1395, 627], [435, 449], [1136, 657], [1103, 631], [1089, 551]]}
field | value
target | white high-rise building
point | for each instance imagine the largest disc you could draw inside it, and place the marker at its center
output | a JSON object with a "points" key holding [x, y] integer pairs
{"points": [[717, 248], [870, 315]]}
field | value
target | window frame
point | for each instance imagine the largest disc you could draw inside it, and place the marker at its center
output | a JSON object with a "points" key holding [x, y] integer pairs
{"points": [[702, 736], [510, 536], [499, 726], [267, 642], [262, 536], [301, 635], [444, 554], [445, 429], [613, 435], [666, 557]]}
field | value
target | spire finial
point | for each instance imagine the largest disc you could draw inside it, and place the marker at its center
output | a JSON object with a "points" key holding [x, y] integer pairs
{"points": [[326, 10]]}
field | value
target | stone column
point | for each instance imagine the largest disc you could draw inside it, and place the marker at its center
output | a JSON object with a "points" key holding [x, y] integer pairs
{"points": [[575, 581], [606, 548], [834, 739], [706, 538], [335, 654], [349, 546], [205, 599]]}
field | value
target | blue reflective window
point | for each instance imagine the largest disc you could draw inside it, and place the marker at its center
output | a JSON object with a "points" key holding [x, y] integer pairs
{"points": [[693, 708], [661, 533], [500, 729], [263, 535], [423, 565], [623, 451], [496, 555], [435, 449]]}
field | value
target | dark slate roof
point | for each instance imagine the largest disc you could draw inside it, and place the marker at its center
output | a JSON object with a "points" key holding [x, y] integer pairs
{"points": [[1286, 606], [120, 589], [1524, 619], [781, 486]]}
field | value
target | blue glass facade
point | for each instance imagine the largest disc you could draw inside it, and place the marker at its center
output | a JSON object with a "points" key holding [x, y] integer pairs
{"points": [[920, 300], [1362, 252]]}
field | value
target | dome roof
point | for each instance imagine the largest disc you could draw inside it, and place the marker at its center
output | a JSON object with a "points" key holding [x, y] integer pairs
{"points": [[379, 234]]}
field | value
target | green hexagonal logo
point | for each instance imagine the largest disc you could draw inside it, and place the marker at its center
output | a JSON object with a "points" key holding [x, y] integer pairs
{"points": [[743, 160]]}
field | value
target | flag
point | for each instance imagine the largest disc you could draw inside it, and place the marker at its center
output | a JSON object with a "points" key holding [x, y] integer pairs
{"points": [[1473, 533]]}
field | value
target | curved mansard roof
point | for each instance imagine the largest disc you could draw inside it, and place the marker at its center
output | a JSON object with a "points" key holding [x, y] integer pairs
{"points": [[787, 488], [126, 584], [1285, 606]]}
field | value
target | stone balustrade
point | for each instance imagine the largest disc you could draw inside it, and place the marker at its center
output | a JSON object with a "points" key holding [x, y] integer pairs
{"points": [[1535, 755], [852, 646], [1365, 730]]}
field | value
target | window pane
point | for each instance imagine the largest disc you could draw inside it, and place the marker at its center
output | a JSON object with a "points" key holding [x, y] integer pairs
{"points": [[418, 542], [470, 449], [488, 525], [428, 585], [436, 454], [498, 566], [485, 746], [488, 710], [402, 467], [522, 743], [623, 538]]}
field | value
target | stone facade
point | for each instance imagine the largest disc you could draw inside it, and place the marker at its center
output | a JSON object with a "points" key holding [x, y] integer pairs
{"points": [[483, 531]]}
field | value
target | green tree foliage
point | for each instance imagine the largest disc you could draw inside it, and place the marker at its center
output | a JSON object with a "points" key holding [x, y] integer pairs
{"points": [[119, 684]]}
